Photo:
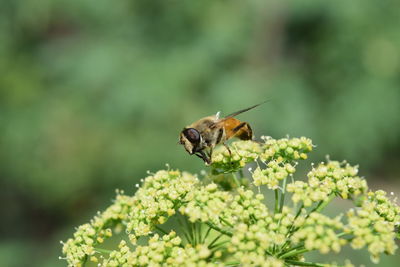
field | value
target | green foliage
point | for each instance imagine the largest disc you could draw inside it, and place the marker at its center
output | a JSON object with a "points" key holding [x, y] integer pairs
{"points": [[248, 232]]}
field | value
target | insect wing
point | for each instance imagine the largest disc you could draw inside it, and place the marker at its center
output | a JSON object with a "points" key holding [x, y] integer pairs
{"points": [[243, 110]]}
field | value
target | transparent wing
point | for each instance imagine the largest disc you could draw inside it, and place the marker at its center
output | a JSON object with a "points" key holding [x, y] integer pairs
{"points": [[243, 110]]}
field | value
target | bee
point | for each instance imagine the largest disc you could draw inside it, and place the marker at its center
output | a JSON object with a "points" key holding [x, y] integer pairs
{"points": [[200, 137]]}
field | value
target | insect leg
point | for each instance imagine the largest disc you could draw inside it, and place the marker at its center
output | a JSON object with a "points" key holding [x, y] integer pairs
{"points": [[210, 154], [229, 150], [200, 156], [230, 153], [203, 156]]}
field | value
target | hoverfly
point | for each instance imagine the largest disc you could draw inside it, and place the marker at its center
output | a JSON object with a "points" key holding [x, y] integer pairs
{"points": [[200, 137]]}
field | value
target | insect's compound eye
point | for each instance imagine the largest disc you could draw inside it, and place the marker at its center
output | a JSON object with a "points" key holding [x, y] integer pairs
{"points": [[192, 135]]}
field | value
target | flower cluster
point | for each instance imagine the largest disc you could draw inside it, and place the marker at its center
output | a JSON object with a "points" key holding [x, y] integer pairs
{"points": [[160, 251], [247, 207], [273, 174], [89, 235], [205, 204], [234, 225], [157, 200], [373, 225], [340, 177], [239, 154], [326, 179], [118, 212], [254, 242], [250, 243], [81, 246], [286, 149], [221, 208], [152, 204], [383, 206], [319, 232], [306, 194], [266, 232]]}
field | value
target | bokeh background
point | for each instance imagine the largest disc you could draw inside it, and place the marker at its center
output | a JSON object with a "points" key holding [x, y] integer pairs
{"points": [[94, 93]]}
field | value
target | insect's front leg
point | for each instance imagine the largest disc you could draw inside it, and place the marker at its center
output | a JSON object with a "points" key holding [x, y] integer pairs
{"points": [[210, 154], [203, 156]]}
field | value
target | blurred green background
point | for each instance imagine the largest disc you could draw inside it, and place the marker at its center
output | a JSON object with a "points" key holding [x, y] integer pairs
{"points": [[94, 93]]}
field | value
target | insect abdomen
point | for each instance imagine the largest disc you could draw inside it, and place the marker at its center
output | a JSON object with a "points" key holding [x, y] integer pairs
{"points": [[244, 132], [236, 128]]}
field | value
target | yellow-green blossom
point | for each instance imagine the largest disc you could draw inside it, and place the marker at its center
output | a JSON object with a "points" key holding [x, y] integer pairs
{"points": [[241, 153], [158, 198], [261, 235], [373, 225], [161, 251], [286, 149], [273, 174], [320, 232], [250, 243], [328, 178], [89, 235], [246, 207], [233, 225], [205, 204]]}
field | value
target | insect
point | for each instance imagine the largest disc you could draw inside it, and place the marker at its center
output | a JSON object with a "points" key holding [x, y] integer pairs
{"points": [[200, 137]]}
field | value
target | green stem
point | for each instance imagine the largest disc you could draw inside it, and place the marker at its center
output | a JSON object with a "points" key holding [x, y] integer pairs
{"points": [[304, 263], [293, 253], [102, 250], [341, 234], [233, 263], [187, 237], [276, 201], [194, 226], [189, 230], [292, 228], [283, 195], [325, 203], [215, 240], [290, 250], [299, 211], [315, 208], [348, 238], [199, 230], [206, 235], [185, 233], [161, 230], [219, 244], [216, 228], [235, 179], [322, 204], [226, 222], [84, 261]]}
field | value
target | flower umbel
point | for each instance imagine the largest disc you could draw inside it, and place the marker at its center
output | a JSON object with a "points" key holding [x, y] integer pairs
{"points": [[236, 225]]}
